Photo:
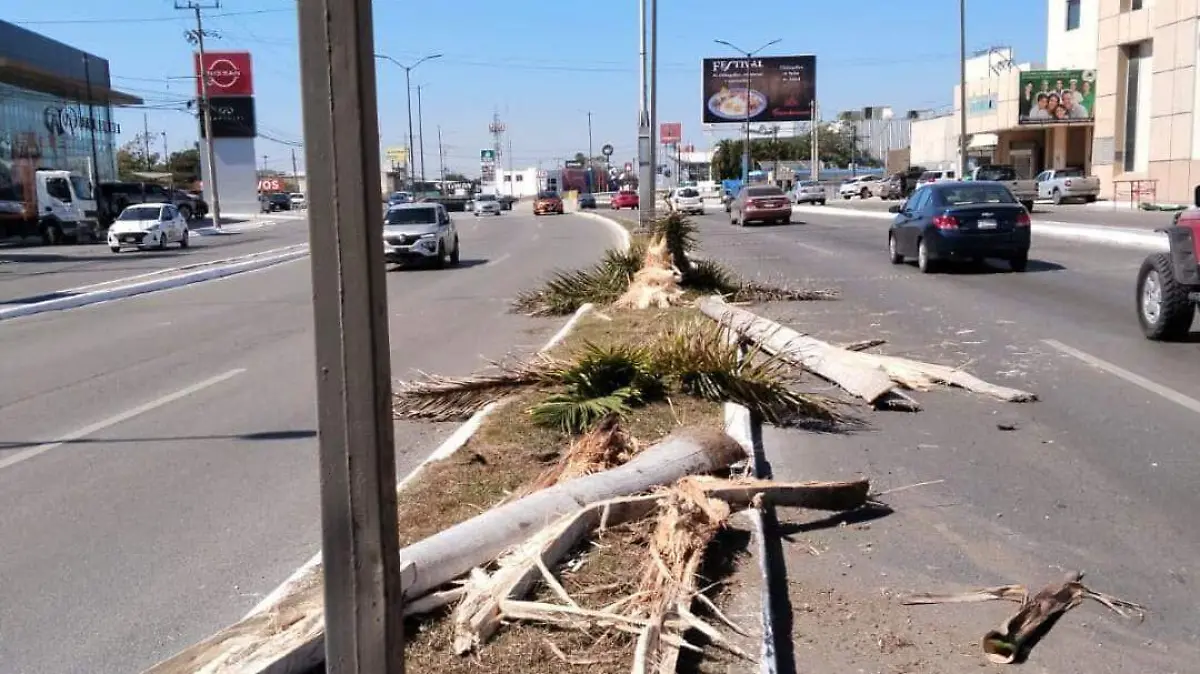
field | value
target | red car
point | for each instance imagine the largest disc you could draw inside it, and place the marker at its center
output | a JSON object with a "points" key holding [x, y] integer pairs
{"points": [[624, 199], [1168, 284], [763, 203], [548, 202]]}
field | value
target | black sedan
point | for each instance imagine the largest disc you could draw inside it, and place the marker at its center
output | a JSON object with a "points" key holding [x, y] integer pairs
{"points": [[960, 220], [586, 200], [276, 201]]}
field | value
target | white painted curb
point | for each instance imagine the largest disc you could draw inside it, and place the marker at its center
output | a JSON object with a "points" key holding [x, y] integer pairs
{"points": [[212, 271], [618, 230], [1069, 231], [447, 449]]}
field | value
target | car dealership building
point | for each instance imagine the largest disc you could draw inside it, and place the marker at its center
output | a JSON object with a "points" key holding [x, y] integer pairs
{"points": [[56, 107]]}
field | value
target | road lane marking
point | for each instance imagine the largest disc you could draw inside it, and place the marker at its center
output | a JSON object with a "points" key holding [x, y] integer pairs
{"points": [[498, 260], [32, 452], [1171, 394], [816, 249], [183, 268]]}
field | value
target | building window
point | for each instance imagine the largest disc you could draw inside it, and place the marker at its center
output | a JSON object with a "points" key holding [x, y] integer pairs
{"points": [[520, 177], [1137, 106], [1135, 5], [1073, 10]]}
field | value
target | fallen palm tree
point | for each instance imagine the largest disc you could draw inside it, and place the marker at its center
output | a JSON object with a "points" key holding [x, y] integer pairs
{"points": [[668, 275], [871, 377]]}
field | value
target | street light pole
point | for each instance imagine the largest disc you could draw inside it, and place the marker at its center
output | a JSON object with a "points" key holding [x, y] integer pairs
{"points": [[749, 55], [962, 89], [408, 96], [589, 157], [421, 131]]}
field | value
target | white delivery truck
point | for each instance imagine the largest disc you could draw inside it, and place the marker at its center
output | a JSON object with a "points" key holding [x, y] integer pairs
{"points": [[53, 205]]}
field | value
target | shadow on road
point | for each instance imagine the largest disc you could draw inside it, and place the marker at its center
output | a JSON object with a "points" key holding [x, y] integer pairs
{"points": [[990, 266], [297, 434], [462, 264]]}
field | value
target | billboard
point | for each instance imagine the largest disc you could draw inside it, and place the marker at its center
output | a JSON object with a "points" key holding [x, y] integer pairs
{"points": [[670, 133], [397, 155], [232, 117], [759, 89], [1057, 96], [228, 73]]}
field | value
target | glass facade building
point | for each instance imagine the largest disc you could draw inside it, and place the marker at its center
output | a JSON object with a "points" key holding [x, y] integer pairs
{"points": [[55, 108]]}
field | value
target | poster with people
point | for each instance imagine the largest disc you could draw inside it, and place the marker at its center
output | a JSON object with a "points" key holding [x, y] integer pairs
{"points": [[1057, 96]]}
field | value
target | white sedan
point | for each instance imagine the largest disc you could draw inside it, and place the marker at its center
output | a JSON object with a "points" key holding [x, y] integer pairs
{"points": [[148, 226]]}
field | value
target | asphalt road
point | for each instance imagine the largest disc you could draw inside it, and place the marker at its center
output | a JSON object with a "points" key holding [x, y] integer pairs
{"points": [[1096, 214], [158, 467], [1100, 475], [33, 273]]}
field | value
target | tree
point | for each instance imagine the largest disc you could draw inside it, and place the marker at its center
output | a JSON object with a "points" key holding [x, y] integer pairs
{"points": [[835, 148], [456, 177], [185, 166], [132, 157]]}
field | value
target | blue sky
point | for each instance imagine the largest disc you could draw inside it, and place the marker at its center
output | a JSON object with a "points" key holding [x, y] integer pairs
{"points": [[540, 64]]}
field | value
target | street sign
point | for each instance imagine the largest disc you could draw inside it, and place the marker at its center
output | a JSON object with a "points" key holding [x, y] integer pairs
{"points": [[607, 150], [573, 164], [487, 155]]}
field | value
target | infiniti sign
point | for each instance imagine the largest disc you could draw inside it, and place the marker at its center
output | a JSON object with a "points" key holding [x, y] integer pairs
{"points": [[61, 121]]}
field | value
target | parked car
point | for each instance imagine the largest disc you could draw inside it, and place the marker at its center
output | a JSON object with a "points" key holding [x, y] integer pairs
{"points": [[485, 204], [191, 206], [808, 192], [420, 234], [934, 177], [1058, 185], [762, 203], [685, 200], [1168, 284], [624, 199], [299, 201], [276, 201], [960, 220], [148, 226], [113, 196], [585, 200], [892, 187], [857, 187], [1024, 190], [548, 202]]}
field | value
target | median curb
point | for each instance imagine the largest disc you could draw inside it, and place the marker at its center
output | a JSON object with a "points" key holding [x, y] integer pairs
{"points": [[226, 268], [1068, 231], [623, 237]]}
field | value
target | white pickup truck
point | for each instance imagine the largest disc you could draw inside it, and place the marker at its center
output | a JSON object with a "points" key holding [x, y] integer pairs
{"points": [[1059, 185], [1024, 190]]}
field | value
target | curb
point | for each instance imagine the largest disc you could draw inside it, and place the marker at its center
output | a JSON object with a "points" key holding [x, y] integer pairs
{"points": [[452, 444], [97, 296], [622, 234], [1069, 231]]}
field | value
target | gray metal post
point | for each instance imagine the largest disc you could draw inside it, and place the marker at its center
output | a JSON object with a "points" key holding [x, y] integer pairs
{"points": [[363, 608], [962, 89], [644, 207], [645, 153], [421, 131], [591, 187], [411, 147]]}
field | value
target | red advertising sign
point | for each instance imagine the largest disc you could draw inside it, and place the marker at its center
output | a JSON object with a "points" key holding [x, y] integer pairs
{"points": [[228, 73], [670, 133], [270, 185]]}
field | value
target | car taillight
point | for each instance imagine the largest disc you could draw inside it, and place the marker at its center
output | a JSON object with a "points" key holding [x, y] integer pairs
{"points": [[1023, 220], [945, 222]]}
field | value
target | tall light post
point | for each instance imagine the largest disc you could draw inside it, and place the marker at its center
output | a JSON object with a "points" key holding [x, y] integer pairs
{"points": [[962, 89], [408, 94], [749, 55], [590, 153]]}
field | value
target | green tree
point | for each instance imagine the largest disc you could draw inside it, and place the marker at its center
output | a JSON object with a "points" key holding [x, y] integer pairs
{"points": [[133, 157], [184, 166]]}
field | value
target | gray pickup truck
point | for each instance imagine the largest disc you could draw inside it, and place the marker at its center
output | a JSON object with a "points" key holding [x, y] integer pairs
{"points": [[1025, 191], [1058, 185]]}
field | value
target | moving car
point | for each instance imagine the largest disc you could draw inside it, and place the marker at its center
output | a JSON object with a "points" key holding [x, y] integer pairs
{"points": [[507, 201], [1024, 190], [685, 200], [299, 201], [486, 204], [934, 177], [148, 226], [965, 220], [624, 199], [764, 203], [191, 206], [276, 201], [857, 187], [1168, 284], [585, 200], [1058, 185], [397, 198], [420, 234], [808, 192], [548, 202]]}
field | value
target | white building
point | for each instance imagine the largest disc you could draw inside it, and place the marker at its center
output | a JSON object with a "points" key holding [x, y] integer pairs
{"points": [[518, 183]]}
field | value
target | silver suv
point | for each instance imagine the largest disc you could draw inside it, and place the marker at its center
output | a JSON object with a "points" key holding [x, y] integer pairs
{"points": [[420, 233]]}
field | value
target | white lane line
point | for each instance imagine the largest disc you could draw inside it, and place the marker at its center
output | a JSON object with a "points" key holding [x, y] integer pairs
{"points": [[498, 260], [1171, 394], [816, 249], [32, 452]]}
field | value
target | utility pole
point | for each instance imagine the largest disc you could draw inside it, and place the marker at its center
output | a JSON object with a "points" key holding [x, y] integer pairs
{"points": [[148, 165], [295, 172], [749, 55], [197, 37], [815, 170], [421, 132], [408, 96], [590, 153], [360, 546], [647, 115], [264, 168], [167, 162], [496, 129], [511, 177], [441, 163], [962, 89]]}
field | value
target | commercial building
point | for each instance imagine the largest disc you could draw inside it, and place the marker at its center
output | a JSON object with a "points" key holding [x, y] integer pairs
{"points": [[56, 108]]}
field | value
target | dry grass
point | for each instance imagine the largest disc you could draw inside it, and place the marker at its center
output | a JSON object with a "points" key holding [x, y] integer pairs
{"points": [[508, 452]]}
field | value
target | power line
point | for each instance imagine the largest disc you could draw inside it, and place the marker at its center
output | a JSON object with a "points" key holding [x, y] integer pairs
{"points": [[147, 19]]}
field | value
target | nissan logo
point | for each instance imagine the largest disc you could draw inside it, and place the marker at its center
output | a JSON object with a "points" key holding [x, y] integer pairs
{"points": [[223, 73]]}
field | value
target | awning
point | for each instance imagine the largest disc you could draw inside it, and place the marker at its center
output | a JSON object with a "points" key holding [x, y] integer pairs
{"points": [[27, 76], [983, 140]]}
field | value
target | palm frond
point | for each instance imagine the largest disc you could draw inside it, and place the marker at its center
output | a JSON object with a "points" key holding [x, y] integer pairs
{"points": [[756, 291], [575, 414], [601, 370], [441, 398], [567, 290], [681, 235], [709, 277]]}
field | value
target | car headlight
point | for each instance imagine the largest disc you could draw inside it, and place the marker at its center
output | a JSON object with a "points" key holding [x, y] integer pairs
{"points": [[431, 235]]}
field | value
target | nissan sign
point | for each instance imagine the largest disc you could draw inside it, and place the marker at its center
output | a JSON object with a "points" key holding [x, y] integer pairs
{"points": [[228, 73]]}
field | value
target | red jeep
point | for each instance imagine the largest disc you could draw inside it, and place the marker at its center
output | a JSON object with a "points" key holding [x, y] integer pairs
{"points": [[1168, 284]]}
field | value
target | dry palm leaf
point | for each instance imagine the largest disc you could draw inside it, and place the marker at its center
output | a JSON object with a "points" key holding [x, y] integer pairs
{"points": [[441, 398], [605, 446], [656, 284]]}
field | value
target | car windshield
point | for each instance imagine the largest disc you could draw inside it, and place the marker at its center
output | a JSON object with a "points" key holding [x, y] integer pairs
{"points": [[398, 197], [486, 197], [547, 195], [140, 213], [928, 175], [967, 194], [81, 187], [807, 183], [764, 192], [688, 192], [279, 197], [996, 173], [411, 216]]}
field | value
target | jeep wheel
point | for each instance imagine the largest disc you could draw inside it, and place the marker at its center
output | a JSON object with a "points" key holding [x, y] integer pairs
{"points": [[1164, 309]]}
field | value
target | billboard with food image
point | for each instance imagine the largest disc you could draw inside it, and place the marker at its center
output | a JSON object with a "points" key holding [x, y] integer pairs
{"points": [[759, 89], [1057, 96]]}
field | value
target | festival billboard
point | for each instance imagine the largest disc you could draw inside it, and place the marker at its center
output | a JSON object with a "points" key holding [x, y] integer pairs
{"points": [[759, 89], [1057, 96]]}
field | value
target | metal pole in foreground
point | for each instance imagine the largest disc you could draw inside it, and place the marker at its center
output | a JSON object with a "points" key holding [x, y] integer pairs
{"points": [[652, 100], [411, 148], [962, 89], [645, 152], [360, 546]]}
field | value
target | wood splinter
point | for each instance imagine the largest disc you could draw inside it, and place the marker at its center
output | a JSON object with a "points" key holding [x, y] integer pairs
{"points": [[1013, 639]]}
